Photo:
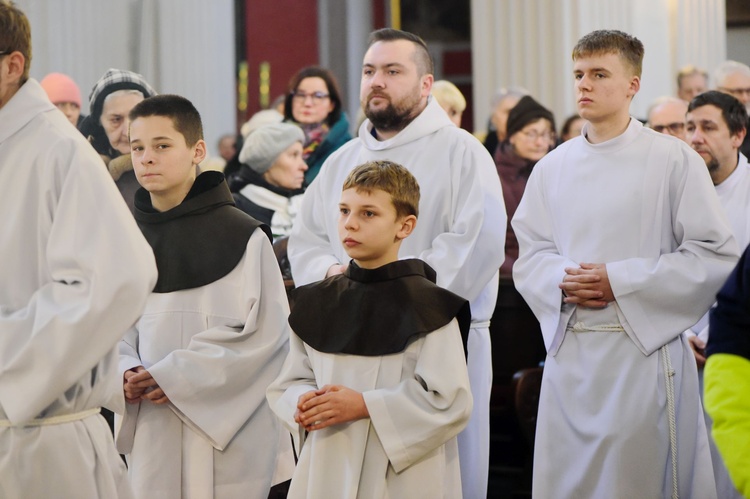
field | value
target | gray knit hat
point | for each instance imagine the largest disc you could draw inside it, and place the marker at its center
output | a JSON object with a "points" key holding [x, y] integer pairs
{"points": [[263, 146]]}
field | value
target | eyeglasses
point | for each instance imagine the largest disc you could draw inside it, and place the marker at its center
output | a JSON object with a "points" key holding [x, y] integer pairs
{"points": [[315, 96], [533, 135], [737, 92], [4, 52], [674, 128]]}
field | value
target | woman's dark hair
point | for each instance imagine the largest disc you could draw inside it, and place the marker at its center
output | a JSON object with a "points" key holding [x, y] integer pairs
{"points": [[333, 92]]}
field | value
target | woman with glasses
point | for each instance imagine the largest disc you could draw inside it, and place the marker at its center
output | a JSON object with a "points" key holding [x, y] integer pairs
{"points": [[314, 103], [530, 135]]}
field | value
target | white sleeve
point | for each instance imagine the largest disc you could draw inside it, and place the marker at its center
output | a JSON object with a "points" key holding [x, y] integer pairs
{"points": [[423, 412], [101, 271]]}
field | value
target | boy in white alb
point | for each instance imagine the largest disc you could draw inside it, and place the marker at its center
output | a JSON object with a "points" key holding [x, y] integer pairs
{"points": [[376, 371], [623, 245], [213, 335]]}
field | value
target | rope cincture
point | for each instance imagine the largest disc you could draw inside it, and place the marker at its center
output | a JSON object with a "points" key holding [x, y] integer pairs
{"points": [[669, 382], [53, 420]]}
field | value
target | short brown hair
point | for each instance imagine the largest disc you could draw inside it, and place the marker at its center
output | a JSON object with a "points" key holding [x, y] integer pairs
{"points": [[185, 118], [422, 57], [15, 34], [612, 41], [389, 177]]}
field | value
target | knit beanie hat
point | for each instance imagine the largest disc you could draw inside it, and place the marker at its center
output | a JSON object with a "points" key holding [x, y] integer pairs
{"points": [[527, 111], [61, 88], [263, 146], [111, 81], [259, 119]]}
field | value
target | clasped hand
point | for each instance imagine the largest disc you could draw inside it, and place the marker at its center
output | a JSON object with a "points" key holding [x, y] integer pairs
{"points": [[328, 406], [138, 384], [587, 286]]}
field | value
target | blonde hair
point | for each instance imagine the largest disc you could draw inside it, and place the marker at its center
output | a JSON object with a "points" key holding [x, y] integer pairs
{"points": [[448, 95]]}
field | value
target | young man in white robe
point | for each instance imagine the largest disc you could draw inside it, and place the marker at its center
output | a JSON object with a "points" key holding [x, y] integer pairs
{"points": [[716, 127], [623, 245], [463, 214], [213, 335], [75, 274], [376, 371]]}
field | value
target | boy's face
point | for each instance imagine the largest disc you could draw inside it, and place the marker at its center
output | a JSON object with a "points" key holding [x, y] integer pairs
{"points": [[164, 164], [605, 85], [369, 228]]}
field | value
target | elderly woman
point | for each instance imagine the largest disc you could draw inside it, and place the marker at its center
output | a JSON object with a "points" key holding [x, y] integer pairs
{"points": [[110, 102], [314, 103], [269, 184], [530, 135]]}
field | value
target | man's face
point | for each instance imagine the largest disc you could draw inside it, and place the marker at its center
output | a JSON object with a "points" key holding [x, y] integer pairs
{"points": [[115, 121], [738, 85], [709, 135], [692, 85], [669, 118], [392, 92], [605, 85]]}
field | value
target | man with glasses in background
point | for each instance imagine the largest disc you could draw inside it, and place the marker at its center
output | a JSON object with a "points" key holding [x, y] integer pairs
{"points": [[733, 78], [716, 126], [667, 115], [75, 276]]}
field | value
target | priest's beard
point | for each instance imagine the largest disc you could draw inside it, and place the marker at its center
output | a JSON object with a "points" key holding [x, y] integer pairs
{"points": [[396, 115]]}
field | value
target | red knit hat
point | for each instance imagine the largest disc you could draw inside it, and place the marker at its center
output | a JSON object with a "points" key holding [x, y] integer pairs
{"points": [[61, 88]]}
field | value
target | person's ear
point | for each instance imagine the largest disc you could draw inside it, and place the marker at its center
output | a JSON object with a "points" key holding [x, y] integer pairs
{"points": [[14, 66], [408, 223], [635, 86], [738, 138], [199, 152]]}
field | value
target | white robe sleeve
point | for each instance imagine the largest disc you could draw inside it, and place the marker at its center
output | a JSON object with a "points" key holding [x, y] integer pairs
{"points": [[101, 271], [310, 251], [661, 297], [467, 256], [296, 378], [423, 412], [220, 379], [540, 267]]}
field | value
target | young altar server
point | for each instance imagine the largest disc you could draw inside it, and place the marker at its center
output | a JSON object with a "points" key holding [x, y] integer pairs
{"points": [[213, 335], [376, 372], [623, 245]]}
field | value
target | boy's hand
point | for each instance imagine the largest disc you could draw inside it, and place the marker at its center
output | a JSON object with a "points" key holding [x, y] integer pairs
{"points": [[587, 286], [328, 406], [132, 394], [145, 385]]}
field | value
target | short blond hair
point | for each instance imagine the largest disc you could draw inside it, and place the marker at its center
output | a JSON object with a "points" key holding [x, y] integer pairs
{"points": [[389, 177], [612, 41], [448, 95]]}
